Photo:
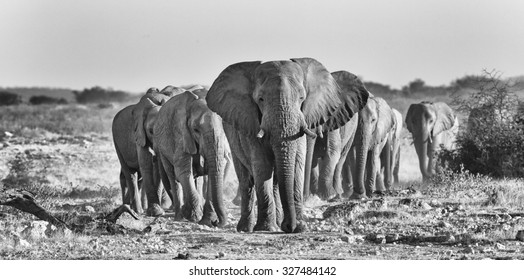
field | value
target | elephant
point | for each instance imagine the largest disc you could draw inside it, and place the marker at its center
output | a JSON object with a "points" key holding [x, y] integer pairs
{"points": [[432, 125], [267, 109], [186, 132], [132, 138], [395, 145], [372, 138], [331, 150]]}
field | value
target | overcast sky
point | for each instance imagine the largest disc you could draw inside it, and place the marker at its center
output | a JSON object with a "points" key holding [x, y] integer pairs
{"points": [[133, 45]]}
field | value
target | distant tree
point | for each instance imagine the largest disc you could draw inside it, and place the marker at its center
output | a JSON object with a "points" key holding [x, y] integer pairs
{"points": [[380, 89], [99, 95], [9, 98], [418, 85], [44, 99]]}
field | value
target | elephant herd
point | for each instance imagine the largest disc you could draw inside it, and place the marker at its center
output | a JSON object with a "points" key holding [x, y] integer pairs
{"points": [[290, 128]]}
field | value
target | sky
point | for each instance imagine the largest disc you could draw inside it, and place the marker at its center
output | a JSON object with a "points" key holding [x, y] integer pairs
{"points": [[133, 45]]}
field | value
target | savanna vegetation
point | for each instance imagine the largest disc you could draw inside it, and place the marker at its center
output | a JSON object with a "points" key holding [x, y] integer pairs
{"points": [[63, 154]]}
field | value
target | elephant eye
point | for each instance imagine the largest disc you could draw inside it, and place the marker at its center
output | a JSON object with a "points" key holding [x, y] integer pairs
{"points": [[261, 99]]}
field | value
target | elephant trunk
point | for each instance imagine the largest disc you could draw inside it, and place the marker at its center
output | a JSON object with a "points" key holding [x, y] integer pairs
{"points": [[307, 168], [421, 147], [362, 144], [215, 163], [285, 153]]}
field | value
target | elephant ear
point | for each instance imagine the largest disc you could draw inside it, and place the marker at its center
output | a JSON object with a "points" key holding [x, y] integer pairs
{"points": [[409, 117], [385, 119], [181, 115], [139, 113], [445, 118], [352, 90], [326, 104], [230, 97]]}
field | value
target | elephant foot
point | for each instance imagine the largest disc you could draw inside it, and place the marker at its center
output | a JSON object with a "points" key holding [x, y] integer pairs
{"points": [[155, 210], [192, 215], [378, 194], [357, 196], [137, 209], [301, 227], [245, 225], [266, 226], [206, 221]]}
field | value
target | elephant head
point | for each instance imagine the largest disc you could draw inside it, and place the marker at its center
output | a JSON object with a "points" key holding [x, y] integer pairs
{"points": [[426, 121], [278, 102], [188, 125], [144, 116], [375, 122]]}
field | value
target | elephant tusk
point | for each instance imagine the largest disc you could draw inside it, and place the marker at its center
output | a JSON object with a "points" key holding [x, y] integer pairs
{"points": [[309, 133], [151, 151], [260, 133], [194, 94]]}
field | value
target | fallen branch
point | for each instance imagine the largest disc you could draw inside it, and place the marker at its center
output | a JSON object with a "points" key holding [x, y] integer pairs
{"points": [[25, 201]]}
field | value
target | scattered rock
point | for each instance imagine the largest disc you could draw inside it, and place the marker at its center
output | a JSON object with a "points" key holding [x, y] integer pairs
{"points": [[184, 256], [444, 224], [425, 206], [520, 235], [352, 239], [221, 255], [376, 238], [500, 246], [89, 209]]}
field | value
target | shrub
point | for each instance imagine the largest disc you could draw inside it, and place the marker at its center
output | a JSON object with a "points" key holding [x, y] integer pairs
{"points": [[100, 95], [44, 99], [9, 98], [492, 144]]}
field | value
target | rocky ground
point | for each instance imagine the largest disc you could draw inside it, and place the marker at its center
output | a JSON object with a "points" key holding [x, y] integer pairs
{"points": [[76, 179]]}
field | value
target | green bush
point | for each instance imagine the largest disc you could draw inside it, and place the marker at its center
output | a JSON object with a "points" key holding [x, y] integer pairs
{"points": [[492, 143]]}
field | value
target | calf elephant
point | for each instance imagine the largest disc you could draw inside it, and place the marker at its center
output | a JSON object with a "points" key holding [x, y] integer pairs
{"points": [[390, 155], [132, 127], [375, 123], [331, 150], [267, 108], [186, 131], [431, 125]]}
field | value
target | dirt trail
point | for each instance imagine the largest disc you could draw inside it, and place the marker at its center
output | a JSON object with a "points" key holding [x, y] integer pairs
{"points": [[77, 179]]}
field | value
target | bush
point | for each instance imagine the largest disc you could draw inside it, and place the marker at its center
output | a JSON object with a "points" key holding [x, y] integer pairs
{"points": [[44, 99], [492, 144], [9, 98], [100, 95]]}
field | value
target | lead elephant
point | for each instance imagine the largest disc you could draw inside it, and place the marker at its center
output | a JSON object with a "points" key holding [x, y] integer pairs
{"points": [[185, 132], [132, 137], [267, 108], [375, 123], [431, 125], [331, 148]]}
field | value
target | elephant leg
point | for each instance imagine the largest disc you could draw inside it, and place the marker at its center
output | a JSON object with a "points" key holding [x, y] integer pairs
{"points": [[313, 189], [337, 176], [266, 210], [209, 218], [347, 171], [245, 186], [134, 192], [192, 209], [299, 184], [175, 187], [124, 188], [165, 199], [396, 166], [149, 183], [372, 168]]}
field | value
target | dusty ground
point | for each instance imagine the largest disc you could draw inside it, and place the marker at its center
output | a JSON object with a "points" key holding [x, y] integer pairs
{"points": [[76, 178]]}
